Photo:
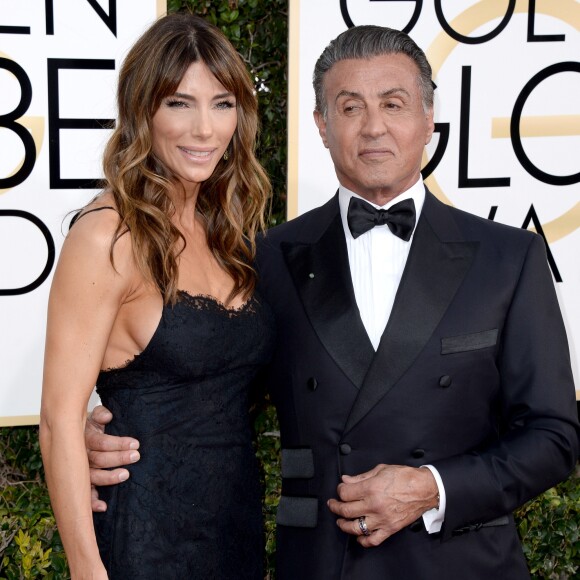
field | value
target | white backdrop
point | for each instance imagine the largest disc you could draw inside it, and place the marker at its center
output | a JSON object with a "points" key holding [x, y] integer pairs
{"points": [[59, 62], [58, 69], [493, 60]]}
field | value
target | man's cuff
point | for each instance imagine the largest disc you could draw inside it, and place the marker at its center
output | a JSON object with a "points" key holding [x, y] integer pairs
{"points": [[433, 519]]}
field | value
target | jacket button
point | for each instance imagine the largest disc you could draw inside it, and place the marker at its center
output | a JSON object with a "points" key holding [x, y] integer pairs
{"points": [[418, 453], [312, 383], [445, 381], [345, 448]]}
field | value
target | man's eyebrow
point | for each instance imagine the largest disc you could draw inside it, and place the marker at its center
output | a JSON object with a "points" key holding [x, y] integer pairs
{"points": [[384, 94], [394, 91], [349, 94]]}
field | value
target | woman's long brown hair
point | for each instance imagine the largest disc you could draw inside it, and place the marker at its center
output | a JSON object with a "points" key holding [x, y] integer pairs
{"points": [[232, 201]]}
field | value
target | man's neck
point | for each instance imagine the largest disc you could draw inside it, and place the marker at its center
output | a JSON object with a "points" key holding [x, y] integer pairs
{"points": [[381, 197]]}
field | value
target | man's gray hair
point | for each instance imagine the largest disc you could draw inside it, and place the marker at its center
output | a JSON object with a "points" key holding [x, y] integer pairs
{"points": [[367, 41]]}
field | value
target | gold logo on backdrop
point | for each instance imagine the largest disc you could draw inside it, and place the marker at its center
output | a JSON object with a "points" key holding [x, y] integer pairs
{"points": [[546, 126]]}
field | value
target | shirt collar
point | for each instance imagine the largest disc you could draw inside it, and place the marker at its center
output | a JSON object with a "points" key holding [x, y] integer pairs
{"points": [[416, 192]]}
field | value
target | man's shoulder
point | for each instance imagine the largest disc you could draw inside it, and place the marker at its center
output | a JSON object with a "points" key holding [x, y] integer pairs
{"points": [[302, 229], [482, 229], [291, 229]]}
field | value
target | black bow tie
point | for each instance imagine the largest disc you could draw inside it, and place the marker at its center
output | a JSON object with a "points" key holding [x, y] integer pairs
{"points": [[400, 218]]}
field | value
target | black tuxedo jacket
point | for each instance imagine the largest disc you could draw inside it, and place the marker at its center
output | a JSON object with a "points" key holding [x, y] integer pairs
{"points": [[472, 375]]}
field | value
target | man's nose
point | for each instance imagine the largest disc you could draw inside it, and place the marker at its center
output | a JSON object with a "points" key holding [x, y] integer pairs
{"points": [[375, 122]]}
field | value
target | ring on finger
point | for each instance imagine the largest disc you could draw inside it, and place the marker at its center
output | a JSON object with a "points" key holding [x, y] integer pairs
{"points": [[362, 524]]}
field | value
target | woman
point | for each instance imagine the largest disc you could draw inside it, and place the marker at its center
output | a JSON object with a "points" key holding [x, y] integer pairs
{"points": [[153, 300]]}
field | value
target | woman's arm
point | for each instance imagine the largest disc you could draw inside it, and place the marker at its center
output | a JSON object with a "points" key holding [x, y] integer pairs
{"points": [[85, 298]]}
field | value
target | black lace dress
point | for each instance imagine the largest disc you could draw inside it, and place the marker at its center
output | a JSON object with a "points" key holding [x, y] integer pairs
{"points": [[191, 508]]}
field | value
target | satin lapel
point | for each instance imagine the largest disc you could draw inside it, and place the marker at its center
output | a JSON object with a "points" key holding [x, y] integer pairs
{"points": [[433, 273], [321, 274]]}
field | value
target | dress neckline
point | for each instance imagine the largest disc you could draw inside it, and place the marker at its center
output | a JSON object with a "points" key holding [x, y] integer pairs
{"points": [[192, 300], [221, 305]]}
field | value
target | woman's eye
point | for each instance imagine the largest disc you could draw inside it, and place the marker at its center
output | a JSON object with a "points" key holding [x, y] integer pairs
{"points": [[225, 104], [176, 104]]}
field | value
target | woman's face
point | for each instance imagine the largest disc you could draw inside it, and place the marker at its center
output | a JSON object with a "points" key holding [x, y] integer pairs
{"points": [[192, 128]]}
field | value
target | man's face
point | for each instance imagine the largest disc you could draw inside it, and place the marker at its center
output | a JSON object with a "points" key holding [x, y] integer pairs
{"points": [[376, 127]]}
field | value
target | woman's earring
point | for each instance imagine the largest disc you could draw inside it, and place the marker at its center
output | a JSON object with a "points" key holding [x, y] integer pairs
{"points": [[226, 155]]}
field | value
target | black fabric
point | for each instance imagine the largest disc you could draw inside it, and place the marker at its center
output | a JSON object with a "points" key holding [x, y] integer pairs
{"points": [[191, 508], [297, 463], [431, 278], [300, 512], [466, 342], [400, 218], [501, 521], [334, 315], [503, 429]]}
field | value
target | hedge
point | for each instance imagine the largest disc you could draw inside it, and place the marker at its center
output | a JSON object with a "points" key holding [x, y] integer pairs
{"points": [[30, 546]]}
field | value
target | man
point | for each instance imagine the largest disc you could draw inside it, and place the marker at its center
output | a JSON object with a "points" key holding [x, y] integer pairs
{"points": [[421, 365]]}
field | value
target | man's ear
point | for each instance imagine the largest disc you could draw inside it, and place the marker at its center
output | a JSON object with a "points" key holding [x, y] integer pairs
{"points": [[321, 124], [430, 125]]}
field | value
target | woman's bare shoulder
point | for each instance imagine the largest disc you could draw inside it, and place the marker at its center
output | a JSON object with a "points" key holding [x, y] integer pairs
{"points": [[104, 204], [93, 231]]}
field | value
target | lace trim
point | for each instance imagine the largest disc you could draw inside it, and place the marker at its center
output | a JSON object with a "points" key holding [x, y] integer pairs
{"points": [[122, 366], [208, 302]]}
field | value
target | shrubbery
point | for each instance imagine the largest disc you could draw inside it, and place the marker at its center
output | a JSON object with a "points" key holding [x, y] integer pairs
{"points": [[30, 546], [549, 527]]}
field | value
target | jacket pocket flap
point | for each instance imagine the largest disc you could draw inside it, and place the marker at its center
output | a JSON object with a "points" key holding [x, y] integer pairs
{"points": [[299, 512], [501, 521], [466, 342], [297, 463]]}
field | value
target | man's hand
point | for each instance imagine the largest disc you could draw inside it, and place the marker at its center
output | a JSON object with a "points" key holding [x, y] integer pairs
{"points": [[106, 451], [389, 497]]}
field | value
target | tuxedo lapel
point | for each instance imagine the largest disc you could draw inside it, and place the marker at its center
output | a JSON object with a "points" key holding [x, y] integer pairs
{"points": [[321, 274], [434, 271]]}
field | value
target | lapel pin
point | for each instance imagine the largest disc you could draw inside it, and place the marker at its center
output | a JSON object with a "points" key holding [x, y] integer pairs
{"points": [[311, 275]]}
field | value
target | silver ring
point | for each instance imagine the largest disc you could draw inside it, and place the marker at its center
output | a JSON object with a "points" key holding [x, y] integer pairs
{"points": [[363, 526]]}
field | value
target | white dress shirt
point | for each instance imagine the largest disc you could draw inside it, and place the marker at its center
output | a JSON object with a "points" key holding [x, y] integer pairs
{"points": [[377, 259]]}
